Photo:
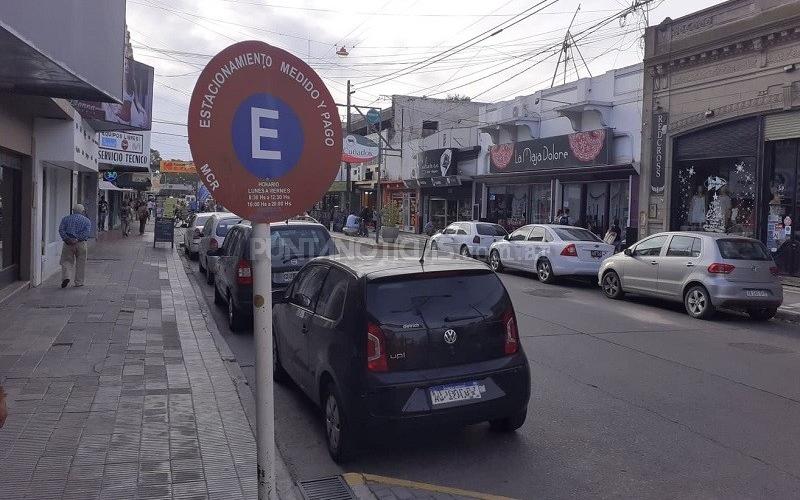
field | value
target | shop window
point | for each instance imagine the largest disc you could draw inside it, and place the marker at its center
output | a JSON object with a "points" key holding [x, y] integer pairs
{"points": [[716, 195], [508, 206], [540, 204]]}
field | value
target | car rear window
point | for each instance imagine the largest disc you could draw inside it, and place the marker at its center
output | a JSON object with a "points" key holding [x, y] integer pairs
{"points": [[200, 220], [575, 234], [300, 241], [736, 249], [432, 297], [225, 225], [490, 230]]}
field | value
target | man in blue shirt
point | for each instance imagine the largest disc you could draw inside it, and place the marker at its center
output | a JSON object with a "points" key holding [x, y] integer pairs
{"points": [[74, 230]]}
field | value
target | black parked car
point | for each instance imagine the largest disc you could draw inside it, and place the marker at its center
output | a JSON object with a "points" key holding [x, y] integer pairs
{"points": [[391, 341], [293, 244]]}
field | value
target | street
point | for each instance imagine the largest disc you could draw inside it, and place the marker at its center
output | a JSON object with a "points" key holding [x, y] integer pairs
{"points": [[629, 399]]}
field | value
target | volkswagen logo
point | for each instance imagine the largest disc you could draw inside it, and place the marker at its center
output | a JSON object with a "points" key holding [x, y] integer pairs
{"points": [[450, 336], [293, 262]]}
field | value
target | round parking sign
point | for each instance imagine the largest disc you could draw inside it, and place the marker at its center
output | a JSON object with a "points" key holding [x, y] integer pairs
{"points": [[264, 132]]}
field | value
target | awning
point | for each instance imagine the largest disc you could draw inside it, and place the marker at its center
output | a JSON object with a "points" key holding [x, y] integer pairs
{"points": [[107, 186]]}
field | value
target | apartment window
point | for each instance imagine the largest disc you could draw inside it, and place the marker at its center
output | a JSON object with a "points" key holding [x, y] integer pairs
{"points": [[429, 127]]}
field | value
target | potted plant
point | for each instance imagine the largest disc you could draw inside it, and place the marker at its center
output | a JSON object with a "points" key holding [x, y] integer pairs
{"points": [[390, 222]]}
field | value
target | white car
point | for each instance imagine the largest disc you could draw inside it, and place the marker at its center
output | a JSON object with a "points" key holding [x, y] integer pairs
{"points": [[551, 251], [212, 238], [194, 230], [468, 238]]}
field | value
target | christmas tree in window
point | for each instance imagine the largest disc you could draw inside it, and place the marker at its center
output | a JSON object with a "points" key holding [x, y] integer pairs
{"points": [[714, 221]]}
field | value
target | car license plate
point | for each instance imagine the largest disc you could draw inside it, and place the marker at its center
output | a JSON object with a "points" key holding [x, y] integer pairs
{"points": [[596, 254], [454, 393], [285, 277], [756, 293]]}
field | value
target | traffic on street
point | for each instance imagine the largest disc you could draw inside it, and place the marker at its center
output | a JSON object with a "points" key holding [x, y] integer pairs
{"points": [[632, 398]]}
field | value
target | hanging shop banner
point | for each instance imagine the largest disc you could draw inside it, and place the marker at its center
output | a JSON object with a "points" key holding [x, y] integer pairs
{"points": [[581, 149], [177, 167], [658, 150], [127, 149], [264, 132], [437, 163], [135, 112], [358, 149]]}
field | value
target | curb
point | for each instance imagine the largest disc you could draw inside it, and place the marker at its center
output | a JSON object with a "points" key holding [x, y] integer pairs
{"points": [[788, 315], [284, 483], [358, 483]]}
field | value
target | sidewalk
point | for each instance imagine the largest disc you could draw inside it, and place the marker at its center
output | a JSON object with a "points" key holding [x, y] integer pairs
{"points": [[117, 389]]}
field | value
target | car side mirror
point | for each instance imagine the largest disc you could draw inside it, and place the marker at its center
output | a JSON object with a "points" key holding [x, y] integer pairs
{"points": [[628, 252], [507, 237]]}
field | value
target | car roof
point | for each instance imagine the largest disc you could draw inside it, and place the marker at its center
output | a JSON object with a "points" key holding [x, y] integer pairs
{"points": [[707, 234], [292, 223], [382, 267]]}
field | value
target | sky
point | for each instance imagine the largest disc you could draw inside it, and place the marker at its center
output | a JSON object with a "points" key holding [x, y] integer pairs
{"points": [[413, 47]]}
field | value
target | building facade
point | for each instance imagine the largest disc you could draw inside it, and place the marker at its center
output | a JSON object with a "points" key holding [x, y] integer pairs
{"points": [[721, 125], [573, 148], [48, 151]]}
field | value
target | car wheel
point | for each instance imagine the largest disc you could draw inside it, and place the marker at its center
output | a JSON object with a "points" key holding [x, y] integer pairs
{"points": [[762, 314], [698, 302], [434, 246], [235, 316], [278, 373], [194, 255], [337, 428], [545, 271], [494, 261], [200, 265], [612, 286], [186, 250], [209, 277], [464, 251], [218, 300], [510, 423]]}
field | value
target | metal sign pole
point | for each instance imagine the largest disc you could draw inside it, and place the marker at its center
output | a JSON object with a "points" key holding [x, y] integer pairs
{"points": [[261, 257]]}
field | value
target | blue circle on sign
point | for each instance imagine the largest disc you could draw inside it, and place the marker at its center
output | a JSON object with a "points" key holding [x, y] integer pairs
{"points": [[267, 136]]}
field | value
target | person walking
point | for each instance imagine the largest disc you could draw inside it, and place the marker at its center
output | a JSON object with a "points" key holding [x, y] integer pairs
{"points": [[143, 214], [125, 216], [564, 219], [557, 218], [74, 230], [150, 206], [102, 212]]}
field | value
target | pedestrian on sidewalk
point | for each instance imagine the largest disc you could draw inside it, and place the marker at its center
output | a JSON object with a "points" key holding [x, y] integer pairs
{"points": [[150, 206], [74, 230], [143, 213], [126, 215], [102, 211]]}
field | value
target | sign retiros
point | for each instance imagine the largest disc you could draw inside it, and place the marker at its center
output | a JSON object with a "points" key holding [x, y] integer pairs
{"points": [[124, 148], [264, 132], [358, 149]]}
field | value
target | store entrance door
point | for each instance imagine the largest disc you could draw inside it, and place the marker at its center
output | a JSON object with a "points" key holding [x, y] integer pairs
{"points": [[784, 206], [438, 210]]}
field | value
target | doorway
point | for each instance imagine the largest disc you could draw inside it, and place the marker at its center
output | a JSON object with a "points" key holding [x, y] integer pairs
{"points": [[783, 206]]}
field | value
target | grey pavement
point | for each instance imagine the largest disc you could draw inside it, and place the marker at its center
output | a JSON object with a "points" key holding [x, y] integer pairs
{"points": [[117, 389]]}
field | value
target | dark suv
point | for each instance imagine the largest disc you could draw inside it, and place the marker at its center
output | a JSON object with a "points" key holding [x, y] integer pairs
{"points": [[293, 244], [391, 341]]}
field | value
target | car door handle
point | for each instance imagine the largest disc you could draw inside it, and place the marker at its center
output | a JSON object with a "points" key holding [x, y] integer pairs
{"points": [[653, 263], [690, 264]]}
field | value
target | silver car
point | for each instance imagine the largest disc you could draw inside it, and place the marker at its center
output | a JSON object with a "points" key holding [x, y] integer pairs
{"points": [[703, 270]]}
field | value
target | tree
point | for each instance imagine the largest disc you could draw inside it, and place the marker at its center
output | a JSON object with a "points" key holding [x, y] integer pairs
{"points": [[714, 222], [458, 97], [155, 160]]}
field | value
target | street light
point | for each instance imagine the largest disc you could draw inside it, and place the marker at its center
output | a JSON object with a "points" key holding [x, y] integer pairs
{"points": [[342, 51]]}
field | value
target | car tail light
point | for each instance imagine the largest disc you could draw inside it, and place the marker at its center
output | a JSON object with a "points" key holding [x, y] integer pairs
{"points": [[718, 268], [476, 239], [512, 335], [774, 271], [244, 275], [197, 233], [570, 251], [376, 349], [213, 245]]}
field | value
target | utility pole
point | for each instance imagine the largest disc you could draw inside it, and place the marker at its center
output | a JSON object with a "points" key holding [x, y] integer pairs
{"points": [[349, 182], [378, 204]]}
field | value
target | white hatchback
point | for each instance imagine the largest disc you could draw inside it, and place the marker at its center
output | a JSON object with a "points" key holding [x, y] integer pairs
{"points": [[551, 251], [468, 238], [211, 238]]}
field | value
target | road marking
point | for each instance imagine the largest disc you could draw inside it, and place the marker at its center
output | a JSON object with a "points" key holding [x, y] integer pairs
{"points": [[358, 479]]}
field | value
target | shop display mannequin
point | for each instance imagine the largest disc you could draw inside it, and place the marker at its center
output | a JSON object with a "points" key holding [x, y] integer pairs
{"points": [[697, 208], [725, 205]]}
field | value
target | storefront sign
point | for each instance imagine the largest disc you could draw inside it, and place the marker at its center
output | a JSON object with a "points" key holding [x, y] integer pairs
{"points": [[658, 152], [437, 163], [177, 167], [124, 149], [358, 149], [425, 182], [264, 131], [580, 149], [135, 112]]}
